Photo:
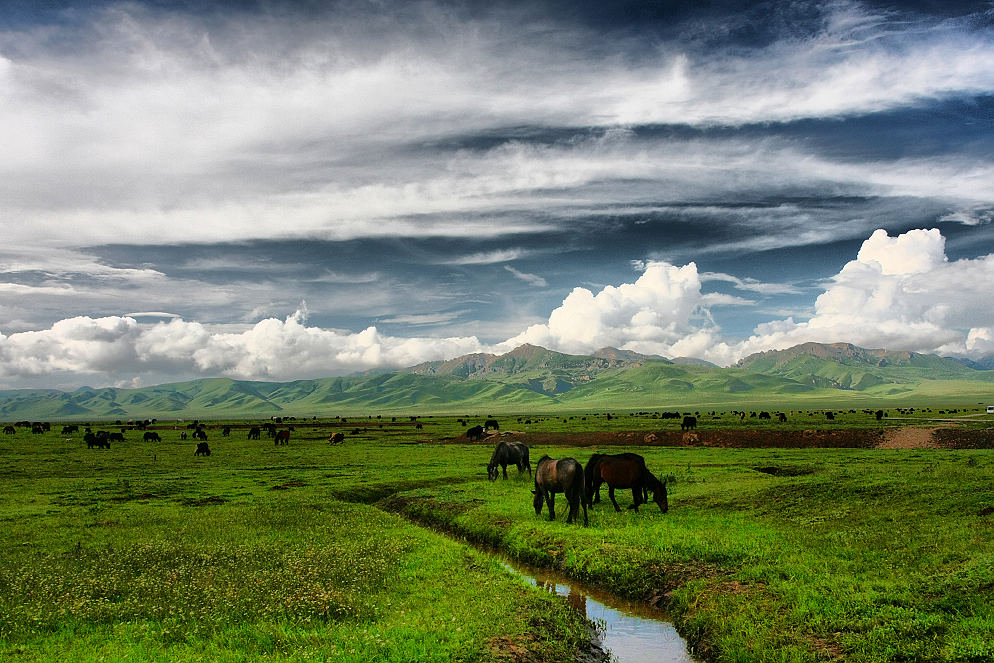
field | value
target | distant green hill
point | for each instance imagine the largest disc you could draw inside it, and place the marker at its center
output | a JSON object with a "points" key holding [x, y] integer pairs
{"points": [[536, 379], [845, 366]]}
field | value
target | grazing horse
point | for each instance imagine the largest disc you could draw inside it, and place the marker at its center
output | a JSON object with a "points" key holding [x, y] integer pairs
{"points": [[625, 470], [282, 437], [254, 433], [559, 476], [508, 453]]}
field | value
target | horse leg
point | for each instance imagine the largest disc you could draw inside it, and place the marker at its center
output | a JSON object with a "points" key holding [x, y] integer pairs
{"points": [[595, 488], [550, 499], [504, 466], [571, 516], [610, 493], [636, 494]]}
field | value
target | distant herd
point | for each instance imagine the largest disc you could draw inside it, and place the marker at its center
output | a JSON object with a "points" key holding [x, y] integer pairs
{"points": [[579, 484]]}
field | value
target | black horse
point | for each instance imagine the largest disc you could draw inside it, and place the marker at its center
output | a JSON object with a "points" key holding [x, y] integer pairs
{"points": [[626, 470], [559, 476], [508, 453]]}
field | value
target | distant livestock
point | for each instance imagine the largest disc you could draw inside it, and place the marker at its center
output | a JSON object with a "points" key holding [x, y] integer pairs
{"points": [[282, 438], [559, 476], [200, 434], [202, 449], [151, 436], [474, 433], [96, 441], [183, 435], [781, 417], [337, 438], [226, 431], [9, 430], [491, 423], [116, 437], [254, 433], [689, 423], [508, 453]]}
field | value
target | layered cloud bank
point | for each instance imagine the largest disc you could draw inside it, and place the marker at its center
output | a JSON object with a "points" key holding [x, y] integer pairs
{"points": [[898, 293]]}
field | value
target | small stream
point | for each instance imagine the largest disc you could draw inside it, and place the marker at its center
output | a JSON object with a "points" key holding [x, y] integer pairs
{"points": [[629, 631]]}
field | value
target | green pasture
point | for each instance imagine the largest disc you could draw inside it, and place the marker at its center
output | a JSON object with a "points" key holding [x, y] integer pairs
{"points": [[312, 551]]}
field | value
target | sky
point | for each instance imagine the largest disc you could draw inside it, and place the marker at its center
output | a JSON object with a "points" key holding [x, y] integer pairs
{"points": [[285, 190]]}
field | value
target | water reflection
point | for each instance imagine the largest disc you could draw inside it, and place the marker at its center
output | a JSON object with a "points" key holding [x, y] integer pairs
{"points": [[630, 632]]}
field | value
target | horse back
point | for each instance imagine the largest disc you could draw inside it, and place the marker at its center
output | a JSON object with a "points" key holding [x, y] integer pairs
{"points": [[621, 472]]}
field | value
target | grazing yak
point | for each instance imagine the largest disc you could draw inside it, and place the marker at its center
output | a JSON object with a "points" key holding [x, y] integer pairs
{"points": [[9, 430], [202, 449], [200, 434], [491, 423], [474, 433], [337, 438], [97, 440], [151, 436], [689, 423]]}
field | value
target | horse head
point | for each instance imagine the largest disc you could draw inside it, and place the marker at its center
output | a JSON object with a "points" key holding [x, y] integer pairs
{"points": [[538, 501], [659, 495]]}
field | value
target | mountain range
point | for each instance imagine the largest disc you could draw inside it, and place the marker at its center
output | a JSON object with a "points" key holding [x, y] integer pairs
{"points": [[531, 378]]}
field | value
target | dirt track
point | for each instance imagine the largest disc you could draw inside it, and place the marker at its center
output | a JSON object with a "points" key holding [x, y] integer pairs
{"points": [[911, 437]]}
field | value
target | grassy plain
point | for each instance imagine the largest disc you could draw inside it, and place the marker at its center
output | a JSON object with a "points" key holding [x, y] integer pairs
{"points": [[145, 552]]}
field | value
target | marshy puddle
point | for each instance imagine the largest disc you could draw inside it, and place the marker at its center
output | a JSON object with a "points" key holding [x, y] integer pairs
{"points": [[628, 631]]}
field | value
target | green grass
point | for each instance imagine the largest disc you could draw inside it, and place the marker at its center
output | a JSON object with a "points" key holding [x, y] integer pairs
{"points": [[868, 555], [146, 552]]}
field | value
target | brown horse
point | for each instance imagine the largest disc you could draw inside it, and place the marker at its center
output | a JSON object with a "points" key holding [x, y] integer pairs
{"points": [[625, 470], [559, 476]]}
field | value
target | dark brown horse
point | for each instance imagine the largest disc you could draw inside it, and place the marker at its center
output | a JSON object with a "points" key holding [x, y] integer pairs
{"points": [[625, 470], [508, 453], [560, 476]]}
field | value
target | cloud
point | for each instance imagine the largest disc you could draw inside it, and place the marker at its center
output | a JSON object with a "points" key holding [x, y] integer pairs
{"points": [[530, 279], [899, 293], [652, 312], [242, 136], [110, 347], [486, 257], [751, 284]]}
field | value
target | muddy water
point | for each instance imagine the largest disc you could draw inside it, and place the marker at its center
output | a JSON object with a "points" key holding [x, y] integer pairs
{"points": [[628, 631]]}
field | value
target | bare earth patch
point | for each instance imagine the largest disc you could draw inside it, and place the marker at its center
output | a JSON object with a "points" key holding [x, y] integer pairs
{"points": [[911, 437]]}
